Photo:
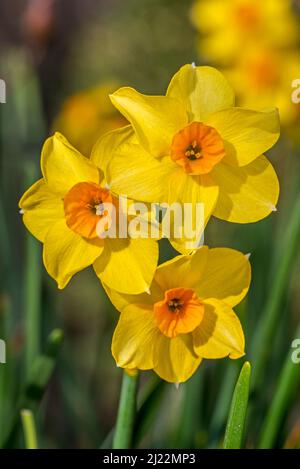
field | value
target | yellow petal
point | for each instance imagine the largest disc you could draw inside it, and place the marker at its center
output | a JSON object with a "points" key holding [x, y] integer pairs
{"points": [[133, 172], [134, 341], [109, 144], [202, 90], [201, 195], [220, 333], [128, 265], [182, 271], [226, 275], [66, 253], [246, 134], [247, 194], [155, 119], [175, 359], [63, 166], [40, 208]]}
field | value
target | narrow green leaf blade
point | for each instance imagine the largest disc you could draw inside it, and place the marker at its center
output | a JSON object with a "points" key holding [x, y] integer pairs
{"points": [[29, 429], [237, 414], [38, 379], [285, 392]]}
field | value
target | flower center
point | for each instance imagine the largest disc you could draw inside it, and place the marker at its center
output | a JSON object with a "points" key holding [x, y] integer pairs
{"points": [[197, 148], [85, 205], [180, 312], [193, 151]]}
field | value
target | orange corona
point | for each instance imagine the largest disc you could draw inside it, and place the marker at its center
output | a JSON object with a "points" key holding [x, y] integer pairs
{"points": [[180, 312], [197, 148], [85, 205]]}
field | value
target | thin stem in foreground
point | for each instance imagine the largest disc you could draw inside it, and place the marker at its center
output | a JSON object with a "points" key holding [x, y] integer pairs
{"points": [[29, 429], [126, 412]]}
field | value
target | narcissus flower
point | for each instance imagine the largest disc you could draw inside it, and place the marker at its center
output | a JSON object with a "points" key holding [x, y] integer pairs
{"points": [[187, 317], [227, 27], [63, 211], [192, 146], [86, 116]]}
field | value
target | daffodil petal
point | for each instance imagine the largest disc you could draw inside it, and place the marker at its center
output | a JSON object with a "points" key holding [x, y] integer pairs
{"points": [[133, 341], [220, 333], [63, 166], [175, 359], [247, 194], [226, 275], [110, 143], [155, 119], [202, 90], [121, 300], [40, 208], [197, 196], [66, 253], [246, 134], [182, 271], [128, 265], [134, 172]]}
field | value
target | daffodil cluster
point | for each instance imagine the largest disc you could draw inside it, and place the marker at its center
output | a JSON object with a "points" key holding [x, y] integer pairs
{"points": [[256, 43], [190, 146]]}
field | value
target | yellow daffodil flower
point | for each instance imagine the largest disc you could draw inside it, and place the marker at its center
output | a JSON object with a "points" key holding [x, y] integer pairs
{"points": [[86, 116], [227, 27], [63, 210], [186, 317], [192, 146], [264, 78]]}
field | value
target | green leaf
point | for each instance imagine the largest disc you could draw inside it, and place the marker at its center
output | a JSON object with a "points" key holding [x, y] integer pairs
{"points": [[286, 388], [266, 327], [38, 379], [29, 429], [237, 414]]}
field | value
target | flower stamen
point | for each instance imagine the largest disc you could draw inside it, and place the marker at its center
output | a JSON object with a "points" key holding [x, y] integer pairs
{"points": [[175, 305]]}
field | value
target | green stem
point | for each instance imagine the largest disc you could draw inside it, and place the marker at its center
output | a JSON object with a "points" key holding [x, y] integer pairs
{"points": [[29, 429], [126, 412], [272, 310], [285, 390]]}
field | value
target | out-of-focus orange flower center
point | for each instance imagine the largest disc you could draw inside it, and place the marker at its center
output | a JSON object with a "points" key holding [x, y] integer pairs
{"points": [[263, 72], [247, 16], [197, 148], [180, 312], [86, 204]]}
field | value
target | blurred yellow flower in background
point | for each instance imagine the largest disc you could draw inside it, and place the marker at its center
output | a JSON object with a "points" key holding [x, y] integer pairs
{"points": [[63, 210], [227, 27], [187, 317], [193, 146], [257, 45], [264, 78], [87, 115]]}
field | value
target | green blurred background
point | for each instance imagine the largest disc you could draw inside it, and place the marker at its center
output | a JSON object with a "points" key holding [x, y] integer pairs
{"points": [[51, 50]]}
